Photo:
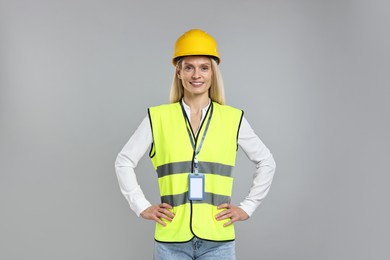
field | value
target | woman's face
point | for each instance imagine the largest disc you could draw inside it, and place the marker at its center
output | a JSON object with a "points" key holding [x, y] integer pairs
{"points": [[195, 74]]}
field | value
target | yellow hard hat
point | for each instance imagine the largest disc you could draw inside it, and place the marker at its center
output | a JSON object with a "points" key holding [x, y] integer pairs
{"points": [[195, 42]]}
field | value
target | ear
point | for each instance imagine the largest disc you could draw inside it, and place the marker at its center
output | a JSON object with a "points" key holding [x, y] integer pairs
{"points": [[178, 73]]}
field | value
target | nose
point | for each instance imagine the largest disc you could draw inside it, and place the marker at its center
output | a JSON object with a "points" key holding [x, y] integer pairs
{"points": [[196, 75]]}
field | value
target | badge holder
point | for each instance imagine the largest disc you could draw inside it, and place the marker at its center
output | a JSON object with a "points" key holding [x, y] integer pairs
{"points": [[195, 186], [195, 183]]}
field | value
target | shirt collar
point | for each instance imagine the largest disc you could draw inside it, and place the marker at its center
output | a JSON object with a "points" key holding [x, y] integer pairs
{"points": [[188, 109]]}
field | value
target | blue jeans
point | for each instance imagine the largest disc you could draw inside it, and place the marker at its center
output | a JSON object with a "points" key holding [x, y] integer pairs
{"points": [[195, 249]]}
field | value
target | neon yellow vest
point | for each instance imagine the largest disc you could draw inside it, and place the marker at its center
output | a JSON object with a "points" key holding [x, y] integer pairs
{"points": [[172, 155]]}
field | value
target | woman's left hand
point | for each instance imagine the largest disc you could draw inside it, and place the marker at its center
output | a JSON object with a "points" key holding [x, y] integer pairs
{"points": [[232, 212]]}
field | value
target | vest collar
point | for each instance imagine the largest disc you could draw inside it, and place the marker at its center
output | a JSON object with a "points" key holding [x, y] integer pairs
{"points": [[188, 109]]}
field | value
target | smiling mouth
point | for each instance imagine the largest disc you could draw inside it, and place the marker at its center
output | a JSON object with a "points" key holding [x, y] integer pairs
{"points": [[196, 84]]}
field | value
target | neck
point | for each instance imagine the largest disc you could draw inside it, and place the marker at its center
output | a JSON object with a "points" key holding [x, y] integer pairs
{"points": [[196, 103]]}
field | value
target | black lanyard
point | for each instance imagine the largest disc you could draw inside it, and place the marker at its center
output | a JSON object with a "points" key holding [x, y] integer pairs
{"points": [[193, 142]]}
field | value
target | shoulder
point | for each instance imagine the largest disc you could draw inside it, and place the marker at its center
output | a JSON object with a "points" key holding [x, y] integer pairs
{"points": [[164, 107], [227, 109]]}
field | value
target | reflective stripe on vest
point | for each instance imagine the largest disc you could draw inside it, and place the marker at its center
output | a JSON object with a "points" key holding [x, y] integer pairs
{"points": [[172, 155]]}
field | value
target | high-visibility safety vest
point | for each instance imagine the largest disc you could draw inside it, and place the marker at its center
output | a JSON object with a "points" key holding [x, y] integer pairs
{"points": [[172, 155]]}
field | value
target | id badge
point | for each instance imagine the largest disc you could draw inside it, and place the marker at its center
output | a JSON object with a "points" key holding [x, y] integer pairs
{"points": [[195, 186]]}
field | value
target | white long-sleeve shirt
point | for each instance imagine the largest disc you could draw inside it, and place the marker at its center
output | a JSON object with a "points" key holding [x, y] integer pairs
{"points": [[142, 139]]}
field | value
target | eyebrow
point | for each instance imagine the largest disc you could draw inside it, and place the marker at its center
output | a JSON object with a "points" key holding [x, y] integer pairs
{"points": [[202, 64]]}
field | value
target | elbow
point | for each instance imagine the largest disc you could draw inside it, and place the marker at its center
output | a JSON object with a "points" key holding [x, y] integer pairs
{"points": [[118, 161], [272, 162], [268, 162], [122, 160]]}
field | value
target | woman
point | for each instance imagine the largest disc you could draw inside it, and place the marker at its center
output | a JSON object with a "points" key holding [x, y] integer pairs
{"points": [[193, 143]]}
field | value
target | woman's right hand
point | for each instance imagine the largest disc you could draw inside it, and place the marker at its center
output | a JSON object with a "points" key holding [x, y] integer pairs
{"points": [[158, 212]]}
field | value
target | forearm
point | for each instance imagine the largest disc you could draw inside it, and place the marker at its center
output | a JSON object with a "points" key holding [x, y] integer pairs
{"points": [[261, 184], [130, 188]]}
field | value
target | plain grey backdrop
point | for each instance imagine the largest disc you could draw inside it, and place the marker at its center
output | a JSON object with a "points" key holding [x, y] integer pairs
{"points": [[77, 76]]}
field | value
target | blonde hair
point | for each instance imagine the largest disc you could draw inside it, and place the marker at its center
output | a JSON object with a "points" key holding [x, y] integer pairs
{"points": [[216, 91]]}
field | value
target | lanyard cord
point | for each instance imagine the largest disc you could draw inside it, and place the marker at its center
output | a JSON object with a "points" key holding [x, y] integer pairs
{"points": [[203, 136]]}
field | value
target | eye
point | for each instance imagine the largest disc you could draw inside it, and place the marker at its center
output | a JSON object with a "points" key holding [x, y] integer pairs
{"points": [[187, 68], [205, 68]]}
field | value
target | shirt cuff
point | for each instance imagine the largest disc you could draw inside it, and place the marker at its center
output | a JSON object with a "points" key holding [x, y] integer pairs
{"points": [[248, 207], [140, 206]]}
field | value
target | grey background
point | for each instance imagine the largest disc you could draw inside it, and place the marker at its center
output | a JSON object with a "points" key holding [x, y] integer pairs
{"points": [[76, 78]]}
